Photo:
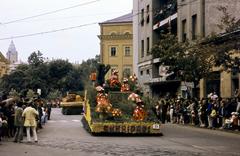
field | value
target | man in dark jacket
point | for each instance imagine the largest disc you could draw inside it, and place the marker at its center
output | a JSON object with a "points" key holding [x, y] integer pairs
{"points": [[18, 122]]}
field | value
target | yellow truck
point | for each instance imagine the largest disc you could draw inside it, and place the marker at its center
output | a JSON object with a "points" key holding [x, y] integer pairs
{"points": [[72, 104]]}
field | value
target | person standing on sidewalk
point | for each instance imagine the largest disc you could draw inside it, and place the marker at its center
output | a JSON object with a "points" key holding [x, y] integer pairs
{"points": [[49, 109], [30, 115], [18, 122]]}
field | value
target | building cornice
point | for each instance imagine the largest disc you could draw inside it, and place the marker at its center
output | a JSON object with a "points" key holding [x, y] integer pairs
{"points": [[115, 37]]}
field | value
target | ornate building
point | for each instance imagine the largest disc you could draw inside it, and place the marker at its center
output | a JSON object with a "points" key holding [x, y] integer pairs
{"points": [[116, 45], [12, 54]]}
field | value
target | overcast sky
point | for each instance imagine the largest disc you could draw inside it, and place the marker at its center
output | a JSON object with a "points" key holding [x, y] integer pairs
{"points": [[75, 44]]}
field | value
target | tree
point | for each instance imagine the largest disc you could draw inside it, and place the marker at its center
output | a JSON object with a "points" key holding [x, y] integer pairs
{"points": [[194, 61], [189, 61], [73, 81], [87, 67], [14, 94], [57, 75], [227, 44], [36, 58], [54, 94], [31, 94], [228, 23], [58, 70], [168, 49]]}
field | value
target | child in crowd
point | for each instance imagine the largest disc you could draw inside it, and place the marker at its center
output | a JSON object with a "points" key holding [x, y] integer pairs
{"points": [[232, 122]]}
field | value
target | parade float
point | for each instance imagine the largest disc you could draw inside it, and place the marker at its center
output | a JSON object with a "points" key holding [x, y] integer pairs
{"points": [[119, 109], [72, 104]]}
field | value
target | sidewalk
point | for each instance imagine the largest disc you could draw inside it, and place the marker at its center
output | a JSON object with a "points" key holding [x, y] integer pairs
{"points": [[197, 127]]}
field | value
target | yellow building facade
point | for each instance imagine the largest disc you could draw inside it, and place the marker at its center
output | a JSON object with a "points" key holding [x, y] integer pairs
{"points": [[224, 83], [4, 65], [116, 45]]}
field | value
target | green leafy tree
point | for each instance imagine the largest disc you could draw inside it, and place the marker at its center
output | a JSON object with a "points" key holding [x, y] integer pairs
{"points": [[54, 94], [189, 61], [168, 49], [73, 80], [14, 94], [31, 94], [36, 58], [58, 70], [87, 67]]}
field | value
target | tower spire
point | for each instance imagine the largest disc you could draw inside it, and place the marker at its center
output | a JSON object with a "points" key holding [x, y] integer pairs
{"points": [[12, 54]]}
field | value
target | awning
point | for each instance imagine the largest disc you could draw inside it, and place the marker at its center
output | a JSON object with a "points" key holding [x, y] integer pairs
{"points": [[158, 81]]}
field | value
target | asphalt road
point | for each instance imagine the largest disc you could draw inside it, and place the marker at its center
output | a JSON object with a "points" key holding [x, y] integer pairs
{"points": [[64, 136]]}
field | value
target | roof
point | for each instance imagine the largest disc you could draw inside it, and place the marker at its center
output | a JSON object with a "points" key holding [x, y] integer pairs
{"points": [[223, 37], [3, 59], [122, 19]]}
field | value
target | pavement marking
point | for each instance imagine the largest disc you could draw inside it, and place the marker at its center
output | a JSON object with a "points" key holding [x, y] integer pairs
{"points": [[76, 120], [63, 121], [53, 121]]}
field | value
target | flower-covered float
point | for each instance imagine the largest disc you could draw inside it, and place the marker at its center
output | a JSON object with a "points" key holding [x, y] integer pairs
{"points": [[119, 109]]}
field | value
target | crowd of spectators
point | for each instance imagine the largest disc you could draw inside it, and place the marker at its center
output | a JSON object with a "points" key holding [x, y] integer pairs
{"points": [[13, 116], [212, 112]]}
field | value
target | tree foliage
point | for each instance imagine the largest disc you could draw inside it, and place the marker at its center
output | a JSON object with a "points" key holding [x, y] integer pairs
{"points": [[36, 58], [54, 78], [194, 60], [228, 23], [187, 60]]}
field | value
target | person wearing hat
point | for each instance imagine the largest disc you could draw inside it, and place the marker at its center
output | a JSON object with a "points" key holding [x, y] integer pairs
{"points": [[30, 115]]}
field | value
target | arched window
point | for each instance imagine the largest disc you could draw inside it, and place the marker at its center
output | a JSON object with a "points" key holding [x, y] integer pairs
{"points": [[113, 33]]}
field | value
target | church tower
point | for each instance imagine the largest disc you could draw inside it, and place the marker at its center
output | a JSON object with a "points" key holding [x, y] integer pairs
{"points": [[12, 54]]}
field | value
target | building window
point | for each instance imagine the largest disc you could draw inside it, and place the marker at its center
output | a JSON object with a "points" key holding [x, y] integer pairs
{"points": [[142, 17], [148, 45], [113, 51], [127, 51], [194, 27], [142, 50], [126, 72], [141, 73], [148, 72], [184, 30], [148, 16]]}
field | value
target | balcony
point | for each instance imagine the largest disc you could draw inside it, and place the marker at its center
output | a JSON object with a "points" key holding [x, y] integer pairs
{"points": [[166, 9]]}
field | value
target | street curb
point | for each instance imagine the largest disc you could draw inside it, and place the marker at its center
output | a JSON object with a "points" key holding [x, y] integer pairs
{"points": [[216, 129]]}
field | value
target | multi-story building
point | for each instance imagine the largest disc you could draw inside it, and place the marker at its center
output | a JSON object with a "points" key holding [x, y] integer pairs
{"points": [[200, 18], [4, 65], [188, 20], [116, 45], [151, 18]]}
